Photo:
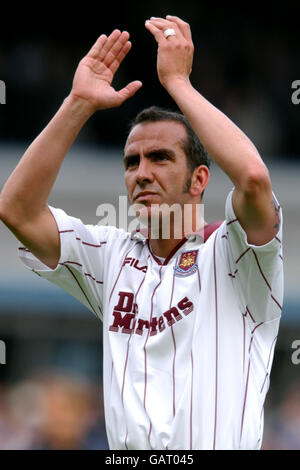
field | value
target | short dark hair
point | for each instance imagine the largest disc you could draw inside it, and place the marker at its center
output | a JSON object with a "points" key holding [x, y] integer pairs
{"points": [[195, 152]]}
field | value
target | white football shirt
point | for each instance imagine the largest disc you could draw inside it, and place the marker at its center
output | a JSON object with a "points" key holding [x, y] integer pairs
{"points": [[188, 342]]}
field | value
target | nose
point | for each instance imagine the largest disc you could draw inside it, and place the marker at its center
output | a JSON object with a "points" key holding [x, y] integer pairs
{"points": [[144, 173]]}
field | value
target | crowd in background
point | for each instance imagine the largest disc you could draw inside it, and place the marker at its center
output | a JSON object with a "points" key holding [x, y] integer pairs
{"points": [[245, 63], [65, 412], [53, 412], [282, 422]]}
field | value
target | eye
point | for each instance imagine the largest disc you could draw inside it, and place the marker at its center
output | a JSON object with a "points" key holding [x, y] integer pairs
{"points": [[131, 162], [160, 156]]}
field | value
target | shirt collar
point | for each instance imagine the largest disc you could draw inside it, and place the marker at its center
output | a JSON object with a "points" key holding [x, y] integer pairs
{"points": [[202, 234]]}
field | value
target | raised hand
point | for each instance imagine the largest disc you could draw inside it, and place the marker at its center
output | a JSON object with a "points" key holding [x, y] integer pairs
{"points": [[175, 53], [94, 75]]}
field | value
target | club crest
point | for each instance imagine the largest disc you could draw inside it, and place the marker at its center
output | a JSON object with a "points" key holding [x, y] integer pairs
{"points": [[187, 263]]}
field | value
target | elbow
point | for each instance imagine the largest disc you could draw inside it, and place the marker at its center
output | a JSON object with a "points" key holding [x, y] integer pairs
{"points": [[2, 210], [6, 214], [3, 214], [257, 181]]}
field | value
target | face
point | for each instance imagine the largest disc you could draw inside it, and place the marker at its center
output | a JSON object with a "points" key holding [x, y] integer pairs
{"points": [[156, 169]]}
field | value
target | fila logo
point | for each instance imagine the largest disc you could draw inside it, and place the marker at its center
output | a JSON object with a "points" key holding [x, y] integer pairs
{"points": [[134, 263], [125, 311]]}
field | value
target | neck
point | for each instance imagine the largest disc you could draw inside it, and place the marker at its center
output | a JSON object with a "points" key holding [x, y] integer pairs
{"points": [[163, 242], [163, 248]]}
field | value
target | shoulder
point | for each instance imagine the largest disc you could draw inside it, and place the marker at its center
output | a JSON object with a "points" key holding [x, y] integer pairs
{"points": [[209, 229]]}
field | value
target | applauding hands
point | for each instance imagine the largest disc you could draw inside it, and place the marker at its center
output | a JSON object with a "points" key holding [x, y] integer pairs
{"points": [[175, 48], [95, 73]]}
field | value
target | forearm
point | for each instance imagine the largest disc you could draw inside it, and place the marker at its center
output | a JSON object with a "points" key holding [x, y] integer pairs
{"points": [[26, 192], [227, 145]]}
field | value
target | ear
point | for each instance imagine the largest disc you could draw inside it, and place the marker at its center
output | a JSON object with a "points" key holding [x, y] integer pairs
{"points": [[199, 180]]}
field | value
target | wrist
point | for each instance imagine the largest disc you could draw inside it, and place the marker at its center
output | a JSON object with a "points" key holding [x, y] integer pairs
{"points": [[175, 85], [79, 107]]}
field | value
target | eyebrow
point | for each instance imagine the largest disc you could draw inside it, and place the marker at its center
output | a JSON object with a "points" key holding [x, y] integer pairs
{"points": [[152, 153]]}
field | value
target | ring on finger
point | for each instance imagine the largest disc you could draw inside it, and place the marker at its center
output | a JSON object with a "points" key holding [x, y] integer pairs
{"points": [[169, 32]]}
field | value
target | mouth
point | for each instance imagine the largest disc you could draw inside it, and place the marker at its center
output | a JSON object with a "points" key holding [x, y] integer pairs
{"points": [[144, 195]]}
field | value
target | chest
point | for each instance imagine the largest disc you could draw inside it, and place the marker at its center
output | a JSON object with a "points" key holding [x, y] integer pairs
{"points": [[148, 297]]}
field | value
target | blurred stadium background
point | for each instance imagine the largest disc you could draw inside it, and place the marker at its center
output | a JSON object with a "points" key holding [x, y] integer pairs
{"points": [[245, 63]]}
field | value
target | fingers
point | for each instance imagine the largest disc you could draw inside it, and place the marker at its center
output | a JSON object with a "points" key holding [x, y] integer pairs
{"points": [[182, 25], [106, 49], [161, 25], [181, 28], [113, 46], [97, 47], [157, 33], [120, 57]]}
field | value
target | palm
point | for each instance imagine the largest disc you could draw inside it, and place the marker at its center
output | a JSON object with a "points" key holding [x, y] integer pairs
{"points": [[94, 75], [93, 83]]}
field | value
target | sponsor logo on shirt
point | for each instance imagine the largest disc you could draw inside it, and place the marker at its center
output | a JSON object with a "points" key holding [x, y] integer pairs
{"points": [[125, 320], [133, 262]]}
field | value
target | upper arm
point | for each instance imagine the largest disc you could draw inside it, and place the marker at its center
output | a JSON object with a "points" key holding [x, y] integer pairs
{"points": [[40, 236], [82, 269], [256, 271], [256, 209]]}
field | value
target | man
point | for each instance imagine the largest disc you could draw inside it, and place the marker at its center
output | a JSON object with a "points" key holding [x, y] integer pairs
{"points": [[189, 327]]}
